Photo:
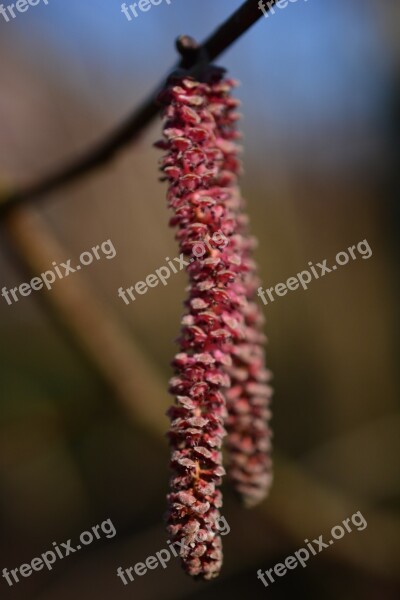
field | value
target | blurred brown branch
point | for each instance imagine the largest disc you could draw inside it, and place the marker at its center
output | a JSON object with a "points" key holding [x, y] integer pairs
{"points": [[96, 330]]}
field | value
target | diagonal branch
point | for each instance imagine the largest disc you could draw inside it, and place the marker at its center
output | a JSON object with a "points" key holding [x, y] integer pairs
{"points": [[241, 20]]}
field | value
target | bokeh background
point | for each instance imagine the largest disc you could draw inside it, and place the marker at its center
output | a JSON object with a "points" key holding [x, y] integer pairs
{"points": [[83, 376]]}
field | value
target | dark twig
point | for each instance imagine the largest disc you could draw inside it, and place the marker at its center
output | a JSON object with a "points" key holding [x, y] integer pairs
{"points": [[192, 56]]}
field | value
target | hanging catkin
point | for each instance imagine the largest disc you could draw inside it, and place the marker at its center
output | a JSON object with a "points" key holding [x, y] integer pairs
{"points": [[220, 379]]}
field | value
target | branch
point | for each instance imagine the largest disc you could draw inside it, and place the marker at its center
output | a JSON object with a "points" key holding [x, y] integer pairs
{"points": [[192, 57]]}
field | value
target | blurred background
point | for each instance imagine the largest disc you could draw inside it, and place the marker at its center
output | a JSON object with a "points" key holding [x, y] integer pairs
{"points": [[83, 376]]}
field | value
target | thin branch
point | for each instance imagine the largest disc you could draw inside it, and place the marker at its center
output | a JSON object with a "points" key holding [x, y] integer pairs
{"points": [[133, 126]]}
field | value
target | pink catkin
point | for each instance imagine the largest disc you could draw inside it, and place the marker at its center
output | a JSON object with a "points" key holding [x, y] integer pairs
{"points": [[249, 436], [220, 329], [248, 441]]}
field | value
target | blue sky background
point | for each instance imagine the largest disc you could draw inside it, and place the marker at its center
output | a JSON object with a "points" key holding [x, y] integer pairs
{"points": [[311, 65]]}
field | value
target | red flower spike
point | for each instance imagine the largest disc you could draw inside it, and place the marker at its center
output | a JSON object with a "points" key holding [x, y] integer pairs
{"points": [[249, 436], [219, 327]]}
